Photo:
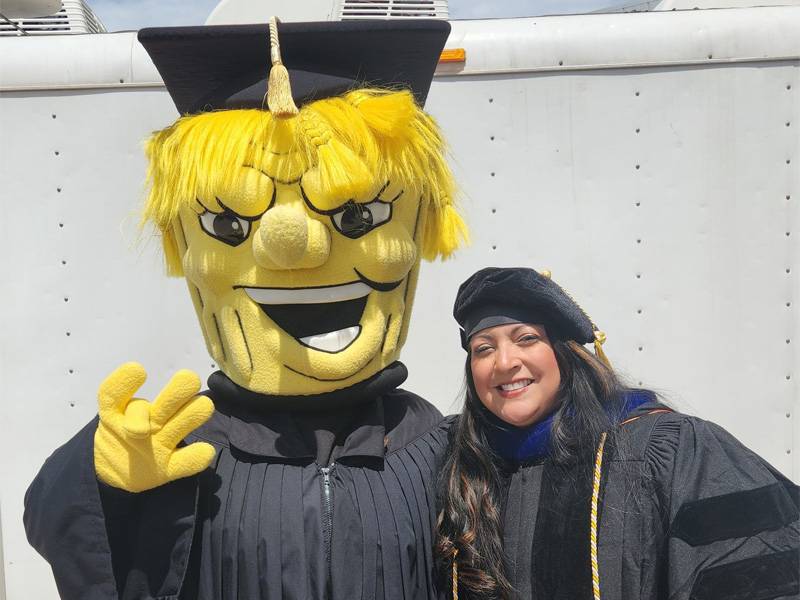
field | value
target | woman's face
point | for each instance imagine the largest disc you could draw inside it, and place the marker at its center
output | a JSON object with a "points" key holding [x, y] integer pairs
{"points": [[515, 372]]}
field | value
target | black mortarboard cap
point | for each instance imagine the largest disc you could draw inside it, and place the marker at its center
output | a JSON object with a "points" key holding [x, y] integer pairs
{"points": [[216, 67], [495, 296]]}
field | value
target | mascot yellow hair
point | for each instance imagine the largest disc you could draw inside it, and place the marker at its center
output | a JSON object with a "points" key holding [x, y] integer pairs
{"points": [[355, 140]]}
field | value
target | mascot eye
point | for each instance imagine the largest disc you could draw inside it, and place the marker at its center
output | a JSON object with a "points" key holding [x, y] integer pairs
{"points": [[354, 220], [226, 226]]}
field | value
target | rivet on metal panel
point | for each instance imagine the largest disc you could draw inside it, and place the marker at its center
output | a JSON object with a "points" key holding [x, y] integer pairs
{"points": [[788, 161], [637, 93], [788, 341], [638, 204], [491, 137], [56, 152], [638, 167], [494, 210], [53, 115], [788, 415], [788, 197], [63, 262], [122, 81], [788, 87], [788, 271], [788, 304], [788, 377], [710, 56], [492, 173], [640, 348], [213, 366], [788, 123], [788, 233], [58, 190], [560, 63], [61, 225], [68, 334], [788, 452], [66, 299], [71, 371], [638, 130], [491, 100], [494, 247], [638, 276], [639, 241], [639, 311], [72, 404]]}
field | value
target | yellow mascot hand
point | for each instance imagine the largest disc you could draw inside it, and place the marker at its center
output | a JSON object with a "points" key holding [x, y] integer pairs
{"points": [[135, 445]]}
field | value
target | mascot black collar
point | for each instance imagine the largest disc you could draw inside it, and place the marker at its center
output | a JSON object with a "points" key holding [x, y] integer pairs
{"points": [[270, 425]]}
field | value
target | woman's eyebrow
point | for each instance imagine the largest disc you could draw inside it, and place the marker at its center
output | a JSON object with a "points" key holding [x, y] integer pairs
{"points": [[521, 326]]}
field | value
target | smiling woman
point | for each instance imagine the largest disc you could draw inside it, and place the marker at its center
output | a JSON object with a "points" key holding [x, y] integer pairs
{"points": [[515, 372], [559, 482]]}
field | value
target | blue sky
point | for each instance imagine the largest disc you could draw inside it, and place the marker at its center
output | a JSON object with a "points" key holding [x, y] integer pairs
{"points": [[135, 14]]}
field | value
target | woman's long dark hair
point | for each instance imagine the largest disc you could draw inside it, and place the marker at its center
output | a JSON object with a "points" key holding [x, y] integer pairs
{"points": [[590, 400]]}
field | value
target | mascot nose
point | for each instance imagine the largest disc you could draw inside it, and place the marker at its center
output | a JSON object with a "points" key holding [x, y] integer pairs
{"points": [[289, 239]]}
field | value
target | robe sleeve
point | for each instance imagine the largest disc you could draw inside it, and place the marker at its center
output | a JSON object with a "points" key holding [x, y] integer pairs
{"points": [[105, 543], [733, 528]]}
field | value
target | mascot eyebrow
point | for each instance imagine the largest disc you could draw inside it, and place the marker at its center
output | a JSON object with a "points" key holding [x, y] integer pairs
{"points": [[350, 141], [338, 208]]}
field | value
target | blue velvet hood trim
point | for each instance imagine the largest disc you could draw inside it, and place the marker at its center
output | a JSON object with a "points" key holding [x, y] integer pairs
{"points": [[521, 444]]}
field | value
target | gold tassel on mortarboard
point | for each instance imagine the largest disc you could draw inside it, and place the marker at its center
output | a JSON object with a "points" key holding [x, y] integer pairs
{"points": [[279, 91]]}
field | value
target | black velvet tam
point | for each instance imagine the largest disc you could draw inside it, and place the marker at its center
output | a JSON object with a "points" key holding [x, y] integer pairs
{"points": [[227, 66], [495, 296]]}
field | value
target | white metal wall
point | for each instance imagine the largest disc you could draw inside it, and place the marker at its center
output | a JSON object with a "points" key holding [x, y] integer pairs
{"points": [[663, 197], [669, 214]]}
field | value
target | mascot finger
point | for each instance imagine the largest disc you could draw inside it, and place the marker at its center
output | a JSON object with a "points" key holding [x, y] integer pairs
{"points": [[183, 386], [116, 391], [191, 416], [190, 460]]}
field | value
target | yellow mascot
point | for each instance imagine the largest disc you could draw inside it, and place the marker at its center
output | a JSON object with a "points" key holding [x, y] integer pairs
{"points": [[296, 195]]}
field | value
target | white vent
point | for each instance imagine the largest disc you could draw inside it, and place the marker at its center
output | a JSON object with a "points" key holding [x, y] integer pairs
{"points": [[393, 9], [75, 16]]}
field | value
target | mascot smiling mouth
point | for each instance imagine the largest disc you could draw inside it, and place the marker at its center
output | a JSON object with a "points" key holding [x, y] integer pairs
{"points": [[324, 318]]}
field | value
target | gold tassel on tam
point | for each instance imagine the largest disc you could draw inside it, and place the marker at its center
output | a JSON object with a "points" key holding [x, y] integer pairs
{"points": [[599, 340], [279, 91]]}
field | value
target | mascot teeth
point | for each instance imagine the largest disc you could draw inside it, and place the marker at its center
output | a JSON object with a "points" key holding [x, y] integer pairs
{"points": [[334, 341], [317, 295], [325, 318]]}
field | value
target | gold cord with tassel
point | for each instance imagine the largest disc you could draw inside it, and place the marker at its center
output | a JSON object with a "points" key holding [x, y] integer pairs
{"points": [[279, 91], [598, 472], [455, 574]]}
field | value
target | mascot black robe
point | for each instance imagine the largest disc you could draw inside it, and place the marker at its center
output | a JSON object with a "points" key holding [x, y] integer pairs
{"points": [[295, 505]]}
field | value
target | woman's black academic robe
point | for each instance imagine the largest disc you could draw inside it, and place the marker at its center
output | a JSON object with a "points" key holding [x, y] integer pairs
{"points": [[686, 512], [265, 521]]}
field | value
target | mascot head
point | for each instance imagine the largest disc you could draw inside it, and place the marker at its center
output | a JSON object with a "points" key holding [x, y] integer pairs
{"points": [[300, 231]]}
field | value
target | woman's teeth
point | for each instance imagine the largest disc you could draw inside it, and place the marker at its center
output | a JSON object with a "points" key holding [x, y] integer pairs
{"points": [[517, 385]]}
